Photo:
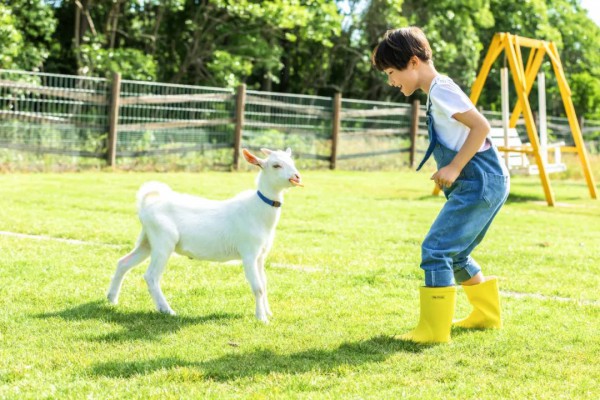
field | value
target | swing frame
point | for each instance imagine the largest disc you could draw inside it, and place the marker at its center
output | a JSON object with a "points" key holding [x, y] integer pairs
{"points": [[523, 79]]}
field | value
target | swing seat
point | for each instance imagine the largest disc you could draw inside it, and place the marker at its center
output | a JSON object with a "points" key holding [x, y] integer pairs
{"points": [[518, 162]]}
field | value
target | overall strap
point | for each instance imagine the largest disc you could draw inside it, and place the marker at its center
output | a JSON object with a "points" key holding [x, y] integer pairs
{"points": [[430, 130]]}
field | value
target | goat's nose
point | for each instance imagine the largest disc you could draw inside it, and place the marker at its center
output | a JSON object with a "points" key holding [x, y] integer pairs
{"points": [[297, 176]]}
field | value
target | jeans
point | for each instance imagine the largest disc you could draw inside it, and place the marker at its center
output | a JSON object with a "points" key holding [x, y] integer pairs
{"points": [[473, 201]]}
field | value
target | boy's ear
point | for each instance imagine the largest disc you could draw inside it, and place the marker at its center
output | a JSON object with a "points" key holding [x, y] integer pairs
{"points": [[414, 61], [252, 159]]}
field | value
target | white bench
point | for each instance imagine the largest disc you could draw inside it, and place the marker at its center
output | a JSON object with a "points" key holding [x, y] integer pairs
{"points": [[518, 162]]}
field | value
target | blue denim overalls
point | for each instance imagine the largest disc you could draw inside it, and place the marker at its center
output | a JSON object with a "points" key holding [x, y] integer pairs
{"points": [[473, 201]]}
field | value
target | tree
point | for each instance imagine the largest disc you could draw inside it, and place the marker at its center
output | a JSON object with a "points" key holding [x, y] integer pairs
{"points": [[26, 28]]}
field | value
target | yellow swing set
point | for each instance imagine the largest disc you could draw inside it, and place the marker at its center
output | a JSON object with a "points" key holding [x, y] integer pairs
{"points": [[523, 78]]}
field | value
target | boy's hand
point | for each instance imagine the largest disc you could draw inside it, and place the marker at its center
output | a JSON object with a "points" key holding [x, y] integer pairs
{"points": [[446, 176]]}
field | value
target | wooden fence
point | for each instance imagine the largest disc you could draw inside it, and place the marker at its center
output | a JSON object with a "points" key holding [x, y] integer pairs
{"points": [[113, 119]]}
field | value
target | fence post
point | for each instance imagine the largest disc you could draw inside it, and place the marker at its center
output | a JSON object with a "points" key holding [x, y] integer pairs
{"points": [[414, 129], [336, 123], [240, 105], [113, 120]]}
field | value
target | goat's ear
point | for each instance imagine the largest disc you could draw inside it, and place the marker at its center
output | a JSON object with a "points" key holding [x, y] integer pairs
{"points": [[266, 151], [251, 158], [288, 151]]}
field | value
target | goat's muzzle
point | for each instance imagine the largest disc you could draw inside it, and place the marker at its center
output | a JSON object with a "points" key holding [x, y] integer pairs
{"points": [[295, 180]]}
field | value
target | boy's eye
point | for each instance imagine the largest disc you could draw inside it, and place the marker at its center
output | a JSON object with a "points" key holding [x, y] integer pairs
{"points": [[276, 166]]}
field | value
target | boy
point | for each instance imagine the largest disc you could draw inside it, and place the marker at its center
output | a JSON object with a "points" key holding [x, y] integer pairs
{"points": [[474, 180]]}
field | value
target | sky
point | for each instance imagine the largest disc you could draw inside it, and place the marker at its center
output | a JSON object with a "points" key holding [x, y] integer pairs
{"points": [[593, 9]]}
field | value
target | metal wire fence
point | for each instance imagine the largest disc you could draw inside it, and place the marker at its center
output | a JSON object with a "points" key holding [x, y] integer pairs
{"points": [[279, 120], [66, 120], [52, 114], [156, 118], [377, 134]]}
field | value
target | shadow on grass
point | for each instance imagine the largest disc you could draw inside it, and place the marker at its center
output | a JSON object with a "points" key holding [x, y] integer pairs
{"points": [[136, 325], [264, 362], [522, 198]]}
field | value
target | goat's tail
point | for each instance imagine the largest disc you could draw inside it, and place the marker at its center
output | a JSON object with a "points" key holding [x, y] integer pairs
{"points": [[150, 192]]}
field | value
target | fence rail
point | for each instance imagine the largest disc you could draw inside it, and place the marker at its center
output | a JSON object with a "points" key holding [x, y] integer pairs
{"points": [[114, 119]]}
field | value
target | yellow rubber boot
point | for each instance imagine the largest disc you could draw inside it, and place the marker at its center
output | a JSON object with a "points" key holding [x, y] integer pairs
{"points": [[485, 299], [437, 311]]}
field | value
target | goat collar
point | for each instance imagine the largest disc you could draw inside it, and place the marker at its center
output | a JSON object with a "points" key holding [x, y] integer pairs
{"points": [[272, 203]]}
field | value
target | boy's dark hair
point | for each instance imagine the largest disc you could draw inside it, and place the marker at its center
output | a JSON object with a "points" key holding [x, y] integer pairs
{"points": [[398, 46]]}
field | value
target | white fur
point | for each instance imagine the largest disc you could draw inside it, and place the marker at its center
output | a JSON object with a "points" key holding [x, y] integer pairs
{"points": [[241, 228]]}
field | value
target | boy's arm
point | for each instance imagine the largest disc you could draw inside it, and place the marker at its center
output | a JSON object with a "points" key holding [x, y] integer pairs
{"points": [[479, 129]]}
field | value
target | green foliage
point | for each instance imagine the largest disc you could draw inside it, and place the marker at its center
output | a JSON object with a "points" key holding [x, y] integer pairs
{"points": [[585, 90], [36, 23], [11, 41], [296, 46], [576, 36], [131, 63], [26, 28], [452, 29]]}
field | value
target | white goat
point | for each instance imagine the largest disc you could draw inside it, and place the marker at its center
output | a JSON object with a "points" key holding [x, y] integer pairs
{"points": [[242, 227]]}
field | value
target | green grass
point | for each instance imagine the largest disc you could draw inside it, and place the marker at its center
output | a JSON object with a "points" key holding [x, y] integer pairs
{"points": [[343, 278]]}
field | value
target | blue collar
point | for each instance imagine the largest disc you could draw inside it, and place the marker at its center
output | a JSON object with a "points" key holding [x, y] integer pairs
{"points": [[272, 203]]}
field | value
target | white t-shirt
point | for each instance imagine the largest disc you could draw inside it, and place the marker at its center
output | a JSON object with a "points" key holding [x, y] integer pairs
{"points": [[447, 99]]}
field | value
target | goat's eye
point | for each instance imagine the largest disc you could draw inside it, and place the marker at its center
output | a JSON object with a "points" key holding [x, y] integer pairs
{"points": [[276, 166]]}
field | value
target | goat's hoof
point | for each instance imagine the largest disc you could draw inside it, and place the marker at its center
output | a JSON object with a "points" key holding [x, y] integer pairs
{"points": [[167, 311], [114, 300], [264, 320]]}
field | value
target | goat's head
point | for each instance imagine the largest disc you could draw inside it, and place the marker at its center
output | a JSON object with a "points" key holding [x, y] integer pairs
{"points": [[278, 168]]}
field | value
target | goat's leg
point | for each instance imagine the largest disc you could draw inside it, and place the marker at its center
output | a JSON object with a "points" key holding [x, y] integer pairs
{"points": [[158, 262], [263, 277], [127, 262], [253, 277]]}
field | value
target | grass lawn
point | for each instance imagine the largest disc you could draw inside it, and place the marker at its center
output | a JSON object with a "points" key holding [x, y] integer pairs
{"points": [[343, 279]]}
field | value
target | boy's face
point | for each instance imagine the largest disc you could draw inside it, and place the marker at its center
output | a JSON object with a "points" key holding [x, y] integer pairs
{"points": [[405, 79]]}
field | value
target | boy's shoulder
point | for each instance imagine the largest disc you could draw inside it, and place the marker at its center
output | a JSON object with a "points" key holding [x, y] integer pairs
{"points": [[443, 85], [445, 82]]}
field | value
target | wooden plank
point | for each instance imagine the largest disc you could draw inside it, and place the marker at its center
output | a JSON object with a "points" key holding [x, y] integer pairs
{"points": [[174, 150], [510, 149], [336, 125], [496, 47], [175, 98], [373, 154], [533, 68], [297, 155], [240, 105], [522, 94], [281, 127], [380, 112], [154, 126], [527, 42], [378, 132], [26, 116], [498, 123], [50, 150], [565, 93], [113, 120], [63, 93], [589, 129], [299, 108], [569, 149]]}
